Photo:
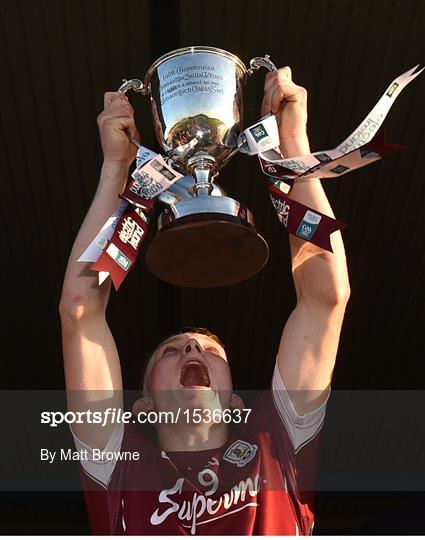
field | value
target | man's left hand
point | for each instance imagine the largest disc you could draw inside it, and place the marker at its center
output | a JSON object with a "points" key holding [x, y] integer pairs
{"points": [[288, 102]]}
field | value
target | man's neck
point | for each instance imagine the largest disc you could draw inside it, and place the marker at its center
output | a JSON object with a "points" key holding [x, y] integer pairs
{"points": [[190, 437]]}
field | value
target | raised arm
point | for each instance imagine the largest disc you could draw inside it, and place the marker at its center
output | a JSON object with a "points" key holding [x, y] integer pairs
{"points": [[91, 361], [309, 342]]}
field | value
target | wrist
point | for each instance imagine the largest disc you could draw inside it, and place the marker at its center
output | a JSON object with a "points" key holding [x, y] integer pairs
{"points": [[114, 174], [114, 170], [295, 146], [115, 165]]}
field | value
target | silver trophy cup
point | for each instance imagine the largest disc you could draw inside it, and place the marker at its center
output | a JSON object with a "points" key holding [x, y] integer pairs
{"points": [[204, 238]]}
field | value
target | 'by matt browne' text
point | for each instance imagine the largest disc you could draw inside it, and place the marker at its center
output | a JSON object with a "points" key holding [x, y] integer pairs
{"points": [[83, 455]]}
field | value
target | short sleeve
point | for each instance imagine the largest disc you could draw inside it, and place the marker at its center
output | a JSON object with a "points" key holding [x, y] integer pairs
{"points": [[301, 429], [100, 470]]}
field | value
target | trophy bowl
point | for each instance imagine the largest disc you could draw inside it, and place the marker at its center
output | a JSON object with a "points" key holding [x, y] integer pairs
{"points": [[204, 238]]}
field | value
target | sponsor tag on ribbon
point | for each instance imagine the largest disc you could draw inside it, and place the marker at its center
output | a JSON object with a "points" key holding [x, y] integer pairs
{"points": [[143, 156], [304, 222], [152, 178], [94, 250], [284, 187], [260, 137], [121, 252]]}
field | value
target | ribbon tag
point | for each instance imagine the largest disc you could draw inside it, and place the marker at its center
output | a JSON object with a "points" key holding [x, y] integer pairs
{"points": [[260, 137], [152, 178], [284, 187], [94, 250], [304, 222], [143, 156], [122, 250]]}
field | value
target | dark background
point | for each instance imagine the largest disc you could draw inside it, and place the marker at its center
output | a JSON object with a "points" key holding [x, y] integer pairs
{"points": [[57, 59]]}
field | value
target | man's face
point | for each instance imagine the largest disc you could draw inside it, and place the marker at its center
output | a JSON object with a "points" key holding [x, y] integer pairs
{"points": [[190, 371]]}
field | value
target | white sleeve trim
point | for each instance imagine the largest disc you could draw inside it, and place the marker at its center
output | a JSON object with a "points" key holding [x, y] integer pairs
{"points": [[301, 428], [100, 470]]}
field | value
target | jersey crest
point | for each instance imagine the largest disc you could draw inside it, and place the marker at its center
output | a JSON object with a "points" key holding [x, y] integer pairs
{"points": [[240, 453]]}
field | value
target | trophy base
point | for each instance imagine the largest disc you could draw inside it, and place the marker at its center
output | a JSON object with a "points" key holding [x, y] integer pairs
{"points": [[207, 250]]}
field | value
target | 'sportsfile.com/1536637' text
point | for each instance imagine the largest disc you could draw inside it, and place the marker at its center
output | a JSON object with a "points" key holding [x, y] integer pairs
{"points": [[114, 415]]}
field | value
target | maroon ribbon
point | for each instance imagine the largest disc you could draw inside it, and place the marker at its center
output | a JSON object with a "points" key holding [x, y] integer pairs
{"points": [[304, 222], [132, 195], [121, 252]]}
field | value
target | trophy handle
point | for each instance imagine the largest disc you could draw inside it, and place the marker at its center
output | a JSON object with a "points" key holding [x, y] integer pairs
{"points": [[261, 61], [137, 86], [132, 84]]}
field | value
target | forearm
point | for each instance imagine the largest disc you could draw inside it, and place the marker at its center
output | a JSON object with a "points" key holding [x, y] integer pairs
{"points": [[81, 292], [318, 274]]}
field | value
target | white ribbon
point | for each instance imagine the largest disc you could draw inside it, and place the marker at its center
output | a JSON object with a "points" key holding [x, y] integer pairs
{"points": [[326, 160]]}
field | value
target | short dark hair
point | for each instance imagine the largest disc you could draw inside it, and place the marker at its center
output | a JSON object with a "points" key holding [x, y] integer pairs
{"points": [[187, 329]]}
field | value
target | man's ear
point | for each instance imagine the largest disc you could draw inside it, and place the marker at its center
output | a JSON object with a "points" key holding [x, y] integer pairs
{"points": [[144, 404], [236, 402]]}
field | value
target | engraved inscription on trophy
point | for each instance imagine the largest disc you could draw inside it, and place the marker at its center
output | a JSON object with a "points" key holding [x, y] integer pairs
{"points": [[192, 79]]}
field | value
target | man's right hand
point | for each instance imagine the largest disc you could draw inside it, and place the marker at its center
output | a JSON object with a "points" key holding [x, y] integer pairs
{"points": [[114, 122]]}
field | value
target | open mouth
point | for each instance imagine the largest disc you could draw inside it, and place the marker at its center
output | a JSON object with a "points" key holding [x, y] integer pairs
{"points": [[194, 374]]}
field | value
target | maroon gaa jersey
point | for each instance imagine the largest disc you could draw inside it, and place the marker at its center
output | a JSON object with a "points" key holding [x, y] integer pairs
{"points": [[259, 482]]}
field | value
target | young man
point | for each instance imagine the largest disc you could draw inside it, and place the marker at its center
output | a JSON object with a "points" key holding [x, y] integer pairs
{"points": [[202, 476]]}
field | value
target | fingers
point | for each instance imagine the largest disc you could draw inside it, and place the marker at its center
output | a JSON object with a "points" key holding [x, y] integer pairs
{"points": [[278, 88], [116, 100], [109, 97], [281, 74], [277, 97], [117, 124], [286, 72], [116, 106]]}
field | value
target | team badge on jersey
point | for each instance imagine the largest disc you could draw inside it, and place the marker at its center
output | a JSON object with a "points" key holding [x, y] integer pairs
{"points": [[240, 453]]}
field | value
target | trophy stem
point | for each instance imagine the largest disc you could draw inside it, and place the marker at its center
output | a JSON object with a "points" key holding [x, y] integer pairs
{"points": [[202, 169], [203, 184]]}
